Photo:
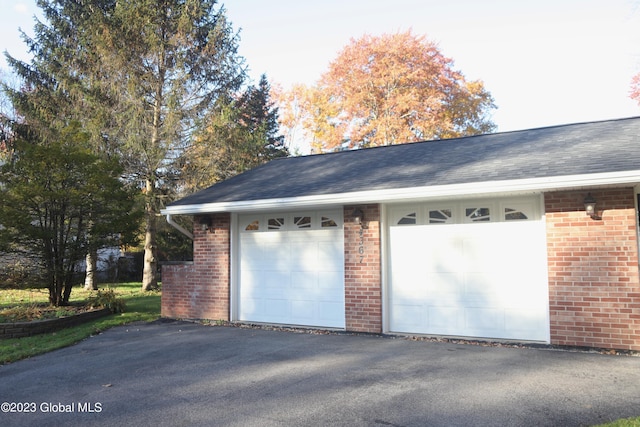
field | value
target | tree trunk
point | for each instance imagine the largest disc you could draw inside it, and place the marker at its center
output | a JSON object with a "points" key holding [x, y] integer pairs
{"points": [[91, 277], [57, 278], [67, 289], [55, 291], [149, 272], [54, 295]]}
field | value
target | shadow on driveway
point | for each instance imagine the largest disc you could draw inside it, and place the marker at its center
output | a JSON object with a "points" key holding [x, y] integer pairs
{"points": [[186, 374]]}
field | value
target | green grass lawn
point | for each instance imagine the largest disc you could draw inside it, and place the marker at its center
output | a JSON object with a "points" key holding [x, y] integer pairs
{"points": [[141, 306], [625, 422]]}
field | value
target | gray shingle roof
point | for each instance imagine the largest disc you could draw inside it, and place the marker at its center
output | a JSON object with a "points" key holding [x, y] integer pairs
{"points": [[574, 149]]}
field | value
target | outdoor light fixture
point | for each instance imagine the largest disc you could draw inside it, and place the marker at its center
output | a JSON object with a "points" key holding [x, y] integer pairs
{"points": [[358, 216], [590, 205], [205, 224]]}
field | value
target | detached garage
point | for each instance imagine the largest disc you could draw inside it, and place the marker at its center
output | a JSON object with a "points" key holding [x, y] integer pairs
{"points": [[490, 237]]}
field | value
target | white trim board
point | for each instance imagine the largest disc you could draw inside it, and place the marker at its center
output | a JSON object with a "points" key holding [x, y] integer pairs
{"points": [[484, 189]]}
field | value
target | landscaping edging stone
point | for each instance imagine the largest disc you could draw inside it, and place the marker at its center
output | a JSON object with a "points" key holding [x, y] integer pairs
{"points": [[27, 329]]}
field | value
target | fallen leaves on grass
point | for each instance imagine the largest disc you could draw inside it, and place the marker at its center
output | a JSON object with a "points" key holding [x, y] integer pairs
{"points": [[31, 312]]}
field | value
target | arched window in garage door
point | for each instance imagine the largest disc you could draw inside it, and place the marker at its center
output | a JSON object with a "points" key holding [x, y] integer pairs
{"points": [[440, 216], [477, 214], [408, 219]]}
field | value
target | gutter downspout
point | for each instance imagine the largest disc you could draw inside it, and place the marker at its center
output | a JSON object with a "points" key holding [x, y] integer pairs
{"points": [[178, 227]]}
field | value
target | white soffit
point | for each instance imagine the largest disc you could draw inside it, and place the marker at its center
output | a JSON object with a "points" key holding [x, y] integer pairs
{"points": [[490, 188]]}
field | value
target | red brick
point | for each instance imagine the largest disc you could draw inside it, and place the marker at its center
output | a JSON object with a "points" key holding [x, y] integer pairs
{"points": [[363, 290], [599, 279], [192, 291]]}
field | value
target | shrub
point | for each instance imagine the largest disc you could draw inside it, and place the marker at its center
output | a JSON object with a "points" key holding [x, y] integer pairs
{"points": [[107, 299], [16, 274], [23, 313]]}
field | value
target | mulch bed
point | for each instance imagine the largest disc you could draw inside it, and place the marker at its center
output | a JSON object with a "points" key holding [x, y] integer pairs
{"points": [[31, 312]]}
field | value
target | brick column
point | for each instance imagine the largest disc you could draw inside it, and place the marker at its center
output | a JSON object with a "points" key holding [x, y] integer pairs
{"points": [[363, 291]]}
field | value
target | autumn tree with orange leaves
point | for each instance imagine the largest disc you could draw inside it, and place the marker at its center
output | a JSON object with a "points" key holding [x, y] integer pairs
{"points": [[386, 90], [635, 88]]}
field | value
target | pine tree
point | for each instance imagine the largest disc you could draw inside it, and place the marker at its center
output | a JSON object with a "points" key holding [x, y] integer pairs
{"points": [[138, 75], [168, 61], [240, 133], [63, 84]]}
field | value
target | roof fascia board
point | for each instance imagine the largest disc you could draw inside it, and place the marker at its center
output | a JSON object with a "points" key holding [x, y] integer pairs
{"points": [[531, 185]]}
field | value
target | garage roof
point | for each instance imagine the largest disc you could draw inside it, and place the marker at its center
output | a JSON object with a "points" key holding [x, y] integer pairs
{"points": [[583, 154]]}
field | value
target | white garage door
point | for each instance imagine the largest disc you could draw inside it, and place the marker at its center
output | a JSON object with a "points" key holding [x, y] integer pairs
{"points": [[292, 269], [474, 269]]}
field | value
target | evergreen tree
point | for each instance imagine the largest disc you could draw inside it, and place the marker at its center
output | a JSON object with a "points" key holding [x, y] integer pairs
{"points": [[260, 121], [138, 75], [168, 61], [239, 134], [63, 84]]}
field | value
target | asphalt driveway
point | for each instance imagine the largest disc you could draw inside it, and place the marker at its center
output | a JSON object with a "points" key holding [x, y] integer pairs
{"points": [[184, 374]]}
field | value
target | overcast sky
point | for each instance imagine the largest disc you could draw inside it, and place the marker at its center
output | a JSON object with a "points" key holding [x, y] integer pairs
{"points": [[545, 62]]}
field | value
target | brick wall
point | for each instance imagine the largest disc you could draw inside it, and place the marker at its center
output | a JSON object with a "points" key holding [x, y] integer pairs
{"points": [[27, 329], [200, 290], [594, 287], [363, 300]]}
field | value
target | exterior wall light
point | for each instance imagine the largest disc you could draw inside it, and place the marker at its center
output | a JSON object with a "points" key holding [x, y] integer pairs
{"points": [[590, 206], [205, 224], [358, 216]]}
